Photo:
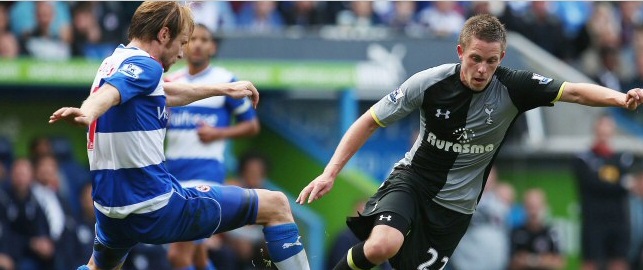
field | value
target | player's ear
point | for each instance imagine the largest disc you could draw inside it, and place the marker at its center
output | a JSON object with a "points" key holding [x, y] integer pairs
{"points": [[163, 35], [502, 55], [461, 51]]}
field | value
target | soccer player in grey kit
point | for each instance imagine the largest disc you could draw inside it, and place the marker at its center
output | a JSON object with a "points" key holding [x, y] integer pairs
{"points": [[419, 214]]}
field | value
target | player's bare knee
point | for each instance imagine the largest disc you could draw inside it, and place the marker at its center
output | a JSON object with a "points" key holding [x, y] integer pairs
{"points": [[382, 247], [274, 208]]}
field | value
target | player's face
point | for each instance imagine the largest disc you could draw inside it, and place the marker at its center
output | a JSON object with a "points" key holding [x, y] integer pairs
{"points": [[200, 48], [174, 50], [480, 59]]}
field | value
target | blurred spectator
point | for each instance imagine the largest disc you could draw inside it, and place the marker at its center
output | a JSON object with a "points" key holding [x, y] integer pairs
{"points": [[31, 247], [47, 38], [217, 16], [512, 15], [637, 79], [41, 146], [403, 17], [83, 237], [6, 262], [479, 7], [260, 17], [608, 75], [23, 16], [86, 30], [600, 174], [8, 43], [635, 255], [60, 218], [359, 14], [45, 191], [630, 18], [572, 14], [487, 230], [442, 18], [72, 175], [545, 29], [535, 245], [6, 158], [302, 13], [602, 30]]}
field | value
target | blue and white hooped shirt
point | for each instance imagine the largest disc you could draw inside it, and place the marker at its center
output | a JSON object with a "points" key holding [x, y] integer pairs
{"points": [[125, 145], [188, 159]]}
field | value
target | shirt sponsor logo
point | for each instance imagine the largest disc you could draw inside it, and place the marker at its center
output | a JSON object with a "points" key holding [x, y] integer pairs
{"points": [[460, 147], [188, 119], [131, 70], [541, 79], [161, 113]]}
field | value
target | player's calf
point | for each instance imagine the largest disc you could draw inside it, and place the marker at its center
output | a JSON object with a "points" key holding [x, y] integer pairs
{"points": [[280, 231]]}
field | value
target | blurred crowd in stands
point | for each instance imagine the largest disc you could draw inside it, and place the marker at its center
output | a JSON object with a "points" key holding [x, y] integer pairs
{"points": [[602, 39]]}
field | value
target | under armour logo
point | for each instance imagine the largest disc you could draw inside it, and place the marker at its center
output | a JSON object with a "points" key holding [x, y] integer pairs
{"points": [[440, 113], [488, 111], [388, 218]]}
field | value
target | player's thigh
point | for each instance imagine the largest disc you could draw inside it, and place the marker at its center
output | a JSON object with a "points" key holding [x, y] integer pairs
{"points": [[393, 205], [434, 235], [239, 207]]}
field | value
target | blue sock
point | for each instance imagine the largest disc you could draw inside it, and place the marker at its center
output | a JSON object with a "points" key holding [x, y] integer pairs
{"points": [[83, 267], [282, 241]]}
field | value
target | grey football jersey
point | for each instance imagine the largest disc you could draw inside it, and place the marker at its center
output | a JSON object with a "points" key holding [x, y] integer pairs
{"points": [[461, 130]]}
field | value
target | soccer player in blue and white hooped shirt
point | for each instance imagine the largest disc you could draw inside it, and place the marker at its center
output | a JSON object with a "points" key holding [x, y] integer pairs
{"points": [[136, 199], [197, 133]]}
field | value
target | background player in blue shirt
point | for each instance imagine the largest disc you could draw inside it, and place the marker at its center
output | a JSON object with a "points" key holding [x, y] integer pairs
{"points": [[136, 199], [197, 133], [420, 213]]}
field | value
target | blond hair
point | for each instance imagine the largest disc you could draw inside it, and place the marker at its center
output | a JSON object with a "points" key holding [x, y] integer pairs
{"points": [[484, 27], [151, 16]]}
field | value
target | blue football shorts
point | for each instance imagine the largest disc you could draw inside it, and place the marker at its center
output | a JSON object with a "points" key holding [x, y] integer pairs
{"points": [[191, 214]]}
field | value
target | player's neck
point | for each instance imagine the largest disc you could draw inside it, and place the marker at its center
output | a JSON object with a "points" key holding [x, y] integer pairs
{"points": [[149, 47], [196, 69]]}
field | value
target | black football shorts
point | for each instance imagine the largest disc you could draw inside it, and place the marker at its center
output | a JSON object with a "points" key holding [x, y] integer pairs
{"points": [[431, 231]]}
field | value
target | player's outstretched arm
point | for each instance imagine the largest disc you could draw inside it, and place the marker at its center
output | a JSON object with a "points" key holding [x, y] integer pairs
{"points": [[93, 107], [599, 96], [179, 94], [352, 141]]}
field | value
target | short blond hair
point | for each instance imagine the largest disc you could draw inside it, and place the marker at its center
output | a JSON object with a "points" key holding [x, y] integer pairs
{"points": [[151, 16], [485, 27]]}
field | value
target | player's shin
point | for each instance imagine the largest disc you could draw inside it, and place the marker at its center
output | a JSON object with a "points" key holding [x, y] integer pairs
{"points": [[285, 249]]}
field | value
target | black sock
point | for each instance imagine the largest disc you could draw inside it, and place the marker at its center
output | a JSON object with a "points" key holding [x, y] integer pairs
{"points": [[358, 259]]}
